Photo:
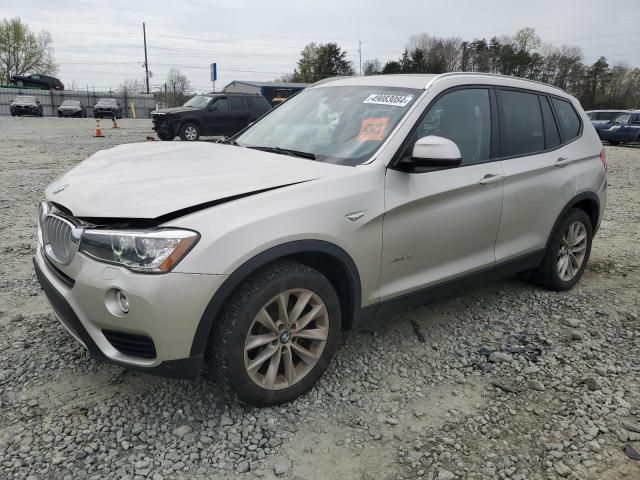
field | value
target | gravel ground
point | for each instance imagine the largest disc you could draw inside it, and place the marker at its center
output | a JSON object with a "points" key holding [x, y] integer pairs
{"points": [[503, 381]]}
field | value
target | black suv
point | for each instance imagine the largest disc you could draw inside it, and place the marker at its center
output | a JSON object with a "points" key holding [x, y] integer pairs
{"points": [[108, 108], [219, 114], [25, 105]]}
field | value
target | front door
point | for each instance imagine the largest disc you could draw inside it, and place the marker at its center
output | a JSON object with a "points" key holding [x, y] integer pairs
{"points": [[441, 225], [217, 120]]}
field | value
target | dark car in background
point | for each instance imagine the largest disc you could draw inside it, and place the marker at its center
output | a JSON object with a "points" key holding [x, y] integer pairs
{"points": [[624, 128], [72, 108], [43, 82], [602, 118], [25, 105], [219, 114], [107, 108]]}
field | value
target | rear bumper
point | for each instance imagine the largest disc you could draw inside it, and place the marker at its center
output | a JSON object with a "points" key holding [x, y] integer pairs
{"points": [[59, 292]]}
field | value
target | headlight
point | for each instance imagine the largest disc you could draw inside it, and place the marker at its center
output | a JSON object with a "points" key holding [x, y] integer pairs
{"points": [[156, 251]]}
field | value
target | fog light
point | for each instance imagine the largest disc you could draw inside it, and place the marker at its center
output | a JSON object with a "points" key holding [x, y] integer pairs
{"points": [[123, 301]]}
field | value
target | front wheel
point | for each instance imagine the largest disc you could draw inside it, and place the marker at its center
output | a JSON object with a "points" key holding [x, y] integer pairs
{"points": [[567, 253], [613, 142], [277, 335], [189, 132]]}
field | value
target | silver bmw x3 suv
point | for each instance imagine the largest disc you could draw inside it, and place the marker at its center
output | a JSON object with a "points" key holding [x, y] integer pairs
{"points": [[352, 198]]}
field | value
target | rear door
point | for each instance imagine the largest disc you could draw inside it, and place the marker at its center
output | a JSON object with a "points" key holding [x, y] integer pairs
{"points": [[440, 225], [538, 168], [239, 113]]}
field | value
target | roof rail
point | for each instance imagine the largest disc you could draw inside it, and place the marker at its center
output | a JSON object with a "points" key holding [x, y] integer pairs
{"points": [[492, 75]]}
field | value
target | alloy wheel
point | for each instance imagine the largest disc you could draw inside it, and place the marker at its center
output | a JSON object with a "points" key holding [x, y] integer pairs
{"points": [[573, 248], [286, 339], [190, 133]]}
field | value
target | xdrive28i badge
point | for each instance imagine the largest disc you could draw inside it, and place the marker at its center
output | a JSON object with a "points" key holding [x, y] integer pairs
{"points": [[60, 188]]}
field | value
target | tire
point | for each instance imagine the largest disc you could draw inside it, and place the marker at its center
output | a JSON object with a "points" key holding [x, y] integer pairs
{"points": [[165, 136], [613, 142], [189, 132], [549, 273], [230, 362], [13, 114]]}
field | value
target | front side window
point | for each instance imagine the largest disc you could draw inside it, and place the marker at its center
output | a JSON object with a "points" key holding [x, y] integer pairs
{"points": [[464, 117], [569, 120], [220, 105], [521, 129], [343, 125], [621, 119], [635, 119]]}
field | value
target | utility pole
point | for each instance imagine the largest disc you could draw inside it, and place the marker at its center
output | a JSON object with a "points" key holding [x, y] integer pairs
{"points": [[360, 55], [146, 64]]}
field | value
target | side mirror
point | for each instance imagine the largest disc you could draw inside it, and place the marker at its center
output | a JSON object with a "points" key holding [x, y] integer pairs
{"points": [[433, 153]]}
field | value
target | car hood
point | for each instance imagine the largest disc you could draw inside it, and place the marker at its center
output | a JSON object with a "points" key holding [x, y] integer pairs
{"points": [[174, 110], [23, 104], [157, 179]]}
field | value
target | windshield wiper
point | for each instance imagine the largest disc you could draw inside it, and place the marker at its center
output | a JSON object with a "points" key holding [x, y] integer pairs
{"points": [[285, 151]]}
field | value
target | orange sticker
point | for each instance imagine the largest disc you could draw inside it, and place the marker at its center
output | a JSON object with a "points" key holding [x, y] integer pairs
{"points": [[373, 129]]}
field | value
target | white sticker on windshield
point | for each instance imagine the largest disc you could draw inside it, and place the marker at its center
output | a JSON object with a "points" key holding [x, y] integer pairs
{"points": [[384, 99]]}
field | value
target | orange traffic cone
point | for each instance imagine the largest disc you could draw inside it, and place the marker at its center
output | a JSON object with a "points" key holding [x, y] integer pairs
{"points": [[115, 123], [98, 129]]}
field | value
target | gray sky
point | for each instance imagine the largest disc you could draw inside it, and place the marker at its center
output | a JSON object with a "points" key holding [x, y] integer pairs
{"points": [[99, 43]]}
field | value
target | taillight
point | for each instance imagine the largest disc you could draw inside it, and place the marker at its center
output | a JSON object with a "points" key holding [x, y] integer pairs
{"points": [[603, 158]]}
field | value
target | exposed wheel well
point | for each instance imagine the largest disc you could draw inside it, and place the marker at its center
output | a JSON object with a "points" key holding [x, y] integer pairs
{"points": [[337, 274], [190, 120], [590, 207]]}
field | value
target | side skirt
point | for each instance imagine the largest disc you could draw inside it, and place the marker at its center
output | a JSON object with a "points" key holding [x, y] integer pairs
{"points": [[373, 316]]}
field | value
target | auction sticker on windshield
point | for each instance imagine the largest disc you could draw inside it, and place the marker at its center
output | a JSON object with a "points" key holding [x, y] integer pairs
{"points": [[385, 99], [373, 129]]}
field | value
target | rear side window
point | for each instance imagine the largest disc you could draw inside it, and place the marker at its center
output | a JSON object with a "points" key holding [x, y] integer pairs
{"points": [[569, 120], [236, 103], [522, 130], [551, 134], [258, 104]]}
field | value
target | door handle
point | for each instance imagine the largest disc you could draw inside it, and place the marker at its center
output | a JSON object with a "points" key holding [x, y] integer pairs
{"points": [[490, 178], [563, 162]]}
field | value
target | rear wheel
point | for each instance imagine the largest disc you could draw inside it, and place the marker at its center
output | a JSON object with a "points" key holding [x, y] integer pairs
{"points": [[189, 132], [613, 142], [567, 254], [277, 335]]}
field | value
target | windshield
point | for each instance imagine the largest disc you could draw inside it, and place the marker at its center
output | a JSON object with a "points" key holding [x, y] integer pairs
{"points": [[25, 99], [341, 125], [71, 103], [198, 101], [621, 119], [604, 115], [107, 101]]}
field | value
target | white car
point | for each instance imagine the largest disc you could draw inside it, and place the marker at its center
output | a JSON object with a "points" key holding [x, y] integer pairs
{"points": [[352, 198]]}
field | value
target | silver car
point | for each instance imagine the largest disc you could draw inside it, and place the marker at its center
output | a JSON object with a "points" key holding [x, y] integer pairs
{"points": [[355, 197]]}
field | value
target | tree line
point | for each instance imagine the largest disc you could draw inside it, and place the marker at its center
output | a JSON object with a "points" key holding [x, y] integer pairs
{"points": [[599, 85]]}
